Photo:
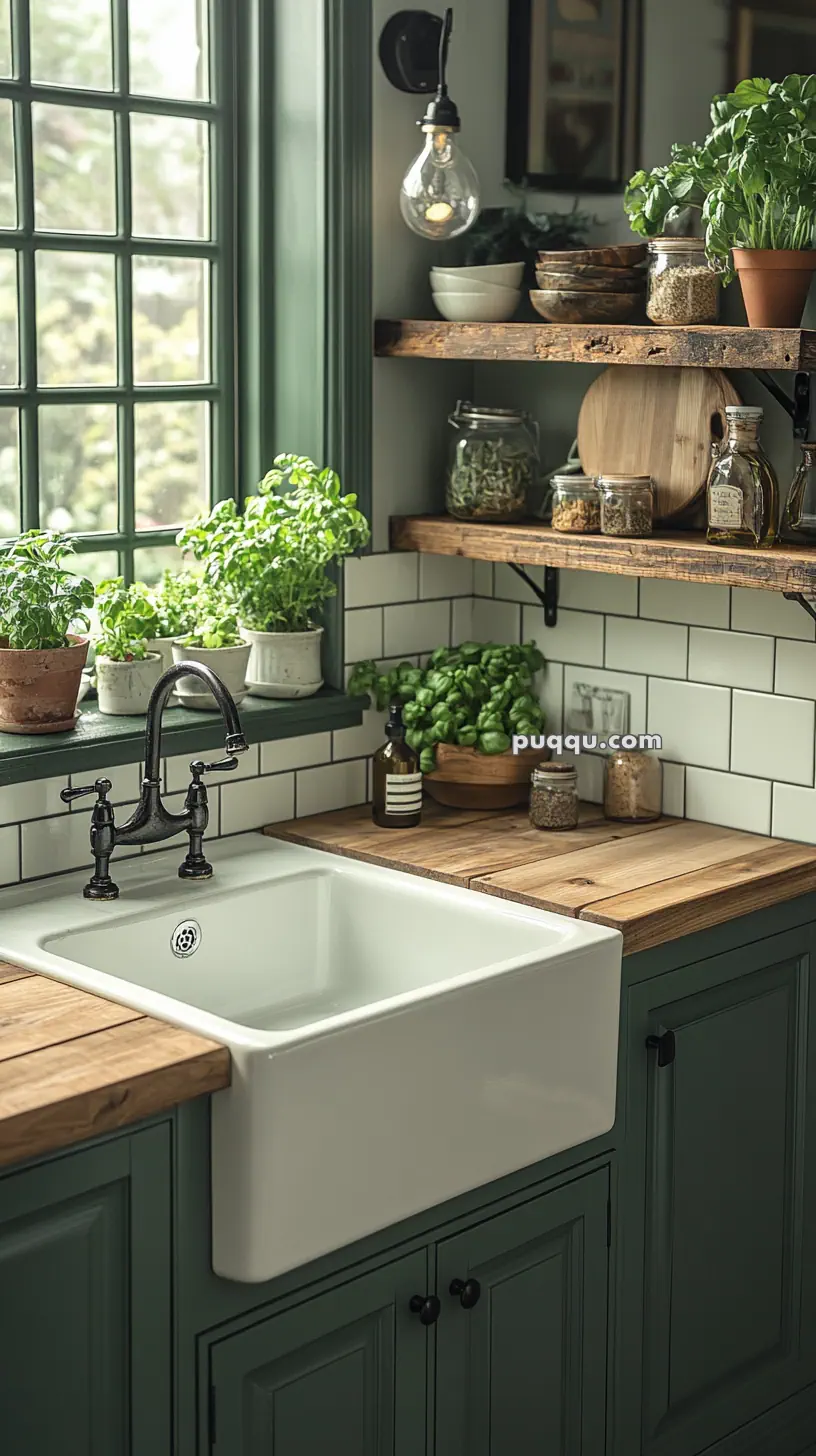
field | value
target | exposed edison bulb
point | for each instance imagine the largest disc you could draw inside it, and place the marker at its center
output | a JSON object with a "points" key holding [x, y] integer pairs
{"points": [[440, 190]]}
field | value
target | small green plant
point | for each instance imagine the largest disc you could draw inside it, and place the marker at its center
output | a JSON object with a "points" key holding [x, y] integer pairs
{"points": [[272, 559], [174, 601], [753, 178], [478, 695], [215, 621], [40, 600], [128, 620]]}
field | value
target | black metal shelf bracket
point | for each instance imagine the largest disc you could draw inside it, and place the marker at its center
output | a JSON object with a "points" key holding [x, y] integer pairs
{"points": [[800, 597], [547, 595], [798, 407]]}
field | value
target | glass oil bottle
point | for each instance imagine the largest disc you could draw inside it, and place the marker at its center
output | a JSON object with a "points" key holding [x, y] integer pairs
{"points": [[742, 496], [397, 781]]}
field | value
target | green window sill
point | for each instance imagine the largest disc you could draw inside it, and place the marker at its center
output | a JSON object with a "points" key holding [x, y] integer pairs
{"points": [[101, 741]]}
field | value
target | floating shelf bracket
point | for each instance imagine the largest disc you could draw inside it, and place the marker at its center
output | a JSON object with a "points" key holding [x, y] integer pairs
{"points": [[547, 595], [797, 407], [803, 602]]}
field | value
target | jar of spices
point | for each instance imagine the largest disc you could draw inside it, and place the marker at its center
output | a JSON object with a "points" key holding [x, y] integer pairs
{"points": [[633, 786], [554, 796], [576, 505], [627, 505], [682, 287], [493, 465]]}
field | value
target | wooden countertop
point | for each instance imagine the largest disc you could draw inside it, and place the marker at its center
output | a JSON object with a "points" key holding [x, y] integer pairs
{"points": [[73, 1066], [654, 882]]}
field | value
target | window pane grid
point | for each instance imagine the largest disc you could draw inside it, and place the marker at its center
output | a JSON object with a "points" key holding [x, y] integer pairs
{"points": [[184, 319]]}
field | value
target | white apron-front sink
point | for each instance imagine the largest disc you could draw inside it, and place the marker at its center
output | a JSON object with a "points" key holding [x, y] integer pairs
{"points": [[395, 1041]]}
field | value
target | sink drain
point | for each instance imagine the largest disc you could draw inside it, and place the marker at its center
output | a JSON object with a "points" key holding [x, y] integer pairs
{"points": [[186, 939]]}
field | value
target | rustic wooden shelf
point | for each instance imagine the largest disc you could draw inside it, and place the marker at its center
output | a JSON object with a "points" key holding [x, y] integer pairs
{"points": [[703, 347], [676, 555]]}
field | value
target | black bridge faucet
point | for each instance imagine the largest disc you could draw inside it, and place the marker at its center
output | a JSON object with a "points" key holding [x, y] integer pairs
{"points": [[150, 821]]}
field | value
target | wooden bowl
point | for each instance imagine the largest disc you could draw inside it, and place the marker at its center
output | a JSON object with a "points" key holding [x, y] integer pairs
{"points": [[592, 270], [624, 256], [592, 280], [566, 306], [467, 779]]}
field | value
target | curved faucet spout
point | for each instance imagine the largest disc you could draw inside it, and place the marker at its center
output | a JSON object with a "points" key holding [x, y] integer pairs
{"points": [[235, 740]]}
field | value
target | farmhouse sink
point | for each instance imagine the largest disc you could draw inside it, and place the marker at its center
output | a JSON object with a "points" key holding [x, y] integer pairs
{"points": [[395, 1041]]}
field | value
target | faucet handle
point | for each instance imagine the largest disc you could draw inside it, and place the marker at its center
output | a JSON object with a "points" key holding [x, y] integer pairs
{"points": [[101, 788], [225, 765]]}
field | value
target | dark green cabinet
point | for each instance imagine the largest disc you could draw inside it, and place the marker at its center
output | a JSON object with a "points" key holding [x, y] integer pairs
{"points": [[85, 1334], [523, 1368], [718, 1216], [342, 1374]]}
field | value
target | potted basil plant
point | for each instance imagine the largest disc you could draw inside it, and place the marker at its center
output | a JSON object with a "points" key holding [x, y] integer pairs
{"points": [[125, 668], [42, 652], [215, 641], [272, 561], [754, 182]]}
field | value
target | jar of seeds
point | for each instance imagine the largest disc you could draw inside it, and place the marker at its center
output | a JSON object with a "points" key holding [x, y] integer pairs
{"points": [[682, 287], [554, 796], [576, 505], [493, 465], [627, 505], [633, 786]]}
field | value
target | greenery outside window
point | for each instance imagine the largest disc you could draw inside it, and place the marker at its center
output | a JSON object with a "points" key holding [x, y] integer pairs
{"points": [[117, 286]]}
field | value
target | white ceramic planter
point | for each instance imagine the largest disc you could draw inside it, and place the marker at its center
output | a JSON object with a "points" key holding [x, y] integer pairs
{"points": [[124, 688], [228, 663], [284, 664], [164, 647]]}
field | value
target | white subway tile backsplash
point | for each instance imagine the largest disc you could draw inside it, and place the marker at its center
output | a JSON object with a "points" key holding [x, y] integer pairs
{"points": [[594, 591], [674, 789], [730, 799], [769, 612], [50, 846], [9, 854], [732, 659], [619, 682], [794, 813], [578, 637], [694, 721], [178, 769], [483, 578], [795, 668], [336, 786], [684, 601], [461, 620], [34, 800], [257, 802], [417, 628], [288, 753], [371, 581], [496, 621], [445, 576], [552, 697], [509, 587], [772, 737], [363, 741], [125, 779], [650, 647], [364, 634]]}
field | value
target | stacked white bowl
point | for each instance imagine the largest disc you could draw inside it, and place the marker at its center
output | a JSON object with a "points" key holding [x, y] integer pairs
{"points": [[483, 295]]}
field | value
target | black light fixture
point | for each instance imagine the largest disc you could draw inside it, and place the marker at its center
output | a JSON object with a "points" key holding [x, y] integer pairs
{"points": [[439, 197]]}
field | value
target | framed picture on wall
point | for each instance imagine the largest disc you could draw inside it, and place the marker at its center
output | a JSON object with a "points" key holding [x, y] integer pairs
{"points": [[573, 81], [772, 38]]}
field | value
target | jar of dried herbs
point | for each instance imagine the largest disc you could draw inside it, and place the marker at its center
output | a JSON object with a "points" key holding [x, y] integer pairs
{"points": [[576, 505], [627, 505], [633, 786], [683, 287], [493, 465], [554, 796]]}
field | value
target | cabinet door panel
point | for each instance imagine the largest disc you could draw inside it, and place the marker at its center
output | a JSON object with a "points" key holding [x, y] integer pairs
{"points": [[525, 1368], [341, 1375], [717, 1141]]}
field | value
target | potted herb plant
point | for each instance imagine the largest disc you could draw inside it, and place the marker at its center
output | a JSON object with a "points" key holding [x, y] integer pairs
{"points": [[174, 601], [754, 181], [216, 641], [272, 561], [126, 670], [41, 658]]}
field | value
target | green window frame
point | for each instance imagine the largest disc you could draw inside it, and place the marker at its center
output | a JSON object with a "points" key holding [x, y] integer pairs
{"points": [[217, 250]]}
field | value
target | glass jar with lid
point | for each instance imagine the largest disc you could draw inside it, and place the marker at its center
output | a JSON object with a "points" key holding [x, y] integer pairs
{"points": [[554, 796], [627, 505], [493, 466], [799, 521], [576, 505], [633, 786], [682, 287], [742, 496]]}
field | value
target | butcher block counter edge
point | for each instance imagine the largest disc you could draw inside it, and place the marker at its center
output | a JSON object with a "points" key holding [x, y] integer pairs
{"points": [[653, 882], [74, 1066]]}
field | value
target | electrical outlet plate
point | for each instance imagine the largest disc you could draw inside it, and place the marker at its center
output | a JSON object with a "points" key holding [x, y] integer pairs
{"points": [[598, 710]]}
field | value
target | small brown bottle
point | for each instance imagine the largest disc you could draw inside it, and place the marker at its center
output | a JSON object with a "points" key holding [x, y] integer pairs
{"points": [[397, 782]]}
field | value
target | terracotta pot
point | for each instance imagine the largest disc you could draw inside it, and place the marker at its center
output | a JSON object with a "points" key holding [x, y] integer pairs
{"points": [[39, 690], [775, 284], [467, 779]]}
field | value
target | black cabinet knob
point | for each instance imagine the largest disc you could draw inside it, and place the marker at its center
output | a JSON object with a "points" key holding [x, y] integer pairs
{"points": [[467, 1291], [427, 1306]]}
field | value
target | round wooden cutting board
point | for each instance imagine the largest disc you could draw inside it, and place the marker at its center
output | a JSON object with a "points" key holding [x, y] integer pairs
{"points": [[659, 422]]}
